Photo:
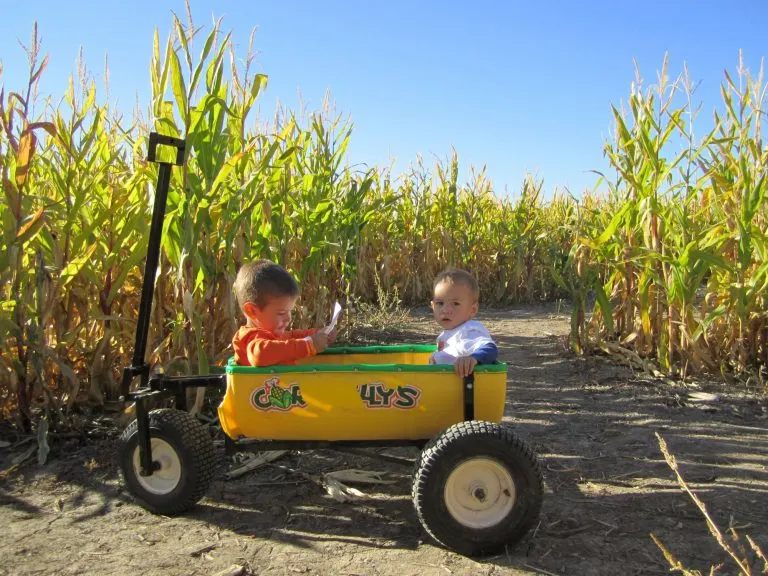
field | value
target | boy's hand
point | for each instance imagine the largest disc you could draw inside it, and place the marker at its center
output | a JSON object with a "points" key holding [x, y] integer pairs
{"points": [[465, 365], [333, 333], [320, 340]]}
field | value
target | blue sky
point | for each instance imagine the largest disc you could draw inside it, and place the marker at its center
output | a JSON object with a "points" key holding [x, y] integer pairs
{"points": [[521, 87]]}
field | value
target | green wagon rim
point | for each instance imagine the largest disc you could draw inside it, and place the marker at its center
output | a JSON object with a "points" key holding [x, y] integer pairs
{"points": [[233, 368], [382, 349]]}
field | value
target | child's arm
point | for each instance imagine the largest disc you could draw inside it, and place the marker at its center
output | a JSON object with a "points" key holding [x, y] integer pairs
{"points": [[477, 343], [316, 334], [486, 353], [302, 333], [265, 352], [478, 348]]}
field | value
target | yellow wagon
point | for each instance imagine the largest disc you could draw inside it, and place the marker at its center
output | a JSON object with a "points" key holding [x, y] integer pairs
{"points": [[476, 488], [347, 394]]}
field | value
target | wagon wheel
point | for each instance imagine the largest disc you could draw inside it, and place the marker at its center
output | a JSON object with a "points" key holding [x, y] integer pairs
{"points": [[477, 488], [183, 457]]}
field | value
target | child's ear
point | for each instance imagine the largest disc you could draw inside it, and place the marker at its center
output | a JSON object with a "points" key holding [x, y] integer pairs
{"points": [[432, 304], [250, 310], [475, 307]]}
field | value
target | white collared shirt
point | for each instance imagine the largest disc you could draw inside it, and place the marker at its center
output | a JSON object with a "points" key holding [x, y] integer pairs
{"points": [[460, 341]]}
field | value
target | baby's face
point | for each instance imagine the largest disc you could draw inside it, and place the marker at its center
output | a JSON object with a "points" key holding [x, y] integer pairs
{"points": [[453, 304], [276, 314]]}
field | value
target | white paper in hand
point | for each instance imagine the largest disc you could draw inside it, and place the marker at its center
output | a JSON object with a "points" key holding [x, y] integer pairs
{"points": [[334, 318]]}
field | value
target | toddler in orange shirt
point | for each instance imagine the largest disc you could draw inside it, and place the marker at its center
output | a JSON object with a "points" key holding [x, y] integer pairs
{"points": [[267, 294]]}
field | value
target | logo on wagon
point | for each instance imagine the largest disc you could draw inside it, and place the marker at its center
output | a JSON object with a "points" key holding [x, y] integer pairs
{"points": [[377, 395], [272, 396]]}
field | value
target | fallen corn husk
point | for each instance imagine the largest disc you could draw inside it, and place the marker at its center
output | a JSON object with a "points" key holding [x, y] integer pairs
{"points": [[359, 476], [340, 492], [255, 461], [336, 489]]}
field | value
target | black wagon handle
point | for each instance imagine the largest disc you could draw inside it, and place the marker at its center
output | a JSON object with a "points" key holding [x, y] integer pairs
{"points": [[139, 367], [179, 143]]}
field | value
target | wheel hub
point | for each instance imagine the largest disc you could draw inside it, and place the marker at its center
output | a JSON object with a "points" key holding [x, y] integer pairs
{"points": [[480, 492], [166, 468]]}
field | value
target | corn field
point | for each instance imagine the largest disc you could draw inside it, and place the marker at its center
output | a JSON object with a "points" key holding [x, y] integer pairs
{"points": [[674, 254]]}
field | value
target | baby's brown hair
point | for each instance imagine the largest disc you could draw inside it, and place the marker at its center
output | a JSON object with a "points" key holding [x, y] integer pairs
{"points": [[458, 276], [262, 280]]}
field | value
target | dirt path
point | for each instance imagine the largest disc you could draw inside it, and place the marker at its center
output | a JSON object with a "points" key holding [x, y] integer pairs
{"points": [[591, 423]]}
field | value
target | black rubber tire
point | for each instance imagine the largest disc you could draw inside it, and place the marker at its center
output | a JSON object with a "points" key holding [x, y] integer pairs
{"points": [[457, 444], [192, 445]]}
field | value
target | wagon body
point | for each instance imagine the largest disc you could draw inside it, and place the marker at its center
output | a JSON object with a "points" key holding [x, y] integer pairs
{"points": [[356, 393]]}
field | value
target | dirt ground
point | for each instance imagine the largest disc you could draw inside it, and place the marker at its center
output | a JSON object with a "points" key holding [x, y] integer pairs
{"points": [[591, 422]]}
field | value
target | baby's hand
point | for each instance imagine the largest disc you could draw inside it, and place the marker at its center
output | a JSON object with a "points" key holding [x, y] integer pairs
{"points": [[320, 340], [465, 365]]}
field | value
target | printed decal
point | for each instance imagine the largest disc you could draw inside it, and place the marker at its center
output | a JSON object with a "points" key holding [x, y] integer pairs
{"points": [[272, 397], [377, 395]]}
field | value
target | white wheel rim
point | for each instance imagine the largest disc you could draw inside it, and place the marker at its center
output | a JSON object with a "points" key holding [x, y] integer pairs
{"points": [[167, 476], [479, 493]]}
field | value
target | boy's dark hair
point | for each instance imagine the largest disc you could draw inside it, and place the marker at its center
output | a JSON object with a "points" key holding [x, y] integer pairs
{"points": [[262, 280], [458, 276]]}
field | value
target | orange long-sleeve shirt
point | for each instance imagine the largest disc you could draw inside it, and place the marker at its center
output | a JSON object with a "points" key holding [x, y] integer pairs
{"points": [[256, 346]]}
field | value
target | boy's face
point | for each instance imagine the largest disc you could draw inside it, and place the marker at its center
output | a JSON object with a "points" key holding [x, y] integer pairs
{"points": [[453, 304], [275, 316]]}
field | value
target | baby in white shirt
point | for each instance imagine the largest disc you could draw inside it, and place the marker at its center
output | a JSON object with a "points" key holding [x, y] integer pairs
{"points": [[463, 342]]}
